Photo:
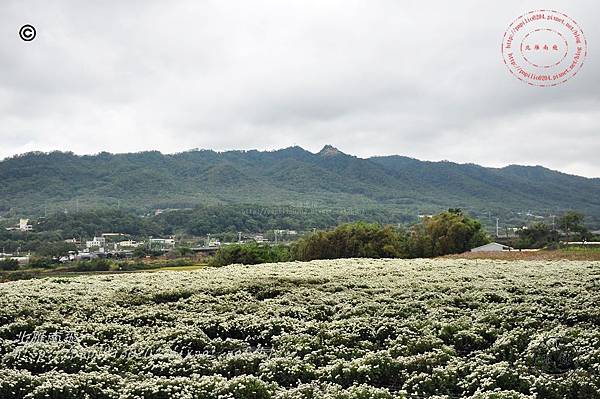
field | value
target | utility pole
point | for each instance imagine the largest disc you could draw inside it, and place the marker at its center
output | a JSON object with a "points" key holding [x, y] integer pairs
{"points": [[275, 231], [497, 227], [239, 237]]}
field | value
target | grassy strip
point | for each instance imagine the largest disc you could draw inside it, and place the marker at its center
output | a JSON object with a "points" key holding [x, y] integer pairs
{"points": [[114, 268], [589, 254]]}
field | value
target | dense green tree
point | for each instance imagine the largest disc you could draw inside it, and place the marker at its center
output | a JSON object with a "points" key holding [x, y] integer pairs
{"points": [[94, 222], [536, 235], [41, 262], [355, 240], [446, 233], [43, 183], [9, 264], [250, 254], [449, 232], [572, 224], [56, 249], [142, 252], [93, 265], [183, 251]]}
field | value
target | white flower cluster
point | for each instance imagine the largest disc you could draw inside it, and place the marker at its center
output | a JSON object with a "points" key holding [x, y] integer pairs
{"points": [[347, 329]]}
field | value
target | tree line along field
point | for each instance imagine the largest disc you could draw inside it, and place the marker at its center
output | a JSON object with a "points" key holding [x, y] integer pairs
{"points": [[348, 328]]}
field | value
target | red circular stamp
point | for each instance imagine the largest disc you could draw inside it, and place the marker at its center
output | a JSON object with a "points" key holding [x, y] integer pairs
{"points": [[544, 48]]}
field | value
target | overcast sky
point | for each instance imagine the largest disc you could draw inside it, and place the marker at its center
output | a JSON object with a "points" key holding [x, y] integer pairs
{"points": [[424, 79]]}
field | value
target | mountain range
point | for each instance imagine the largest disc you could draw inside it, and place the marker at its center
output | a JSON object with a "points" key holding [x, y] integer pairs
{"points": [[37, 182]]}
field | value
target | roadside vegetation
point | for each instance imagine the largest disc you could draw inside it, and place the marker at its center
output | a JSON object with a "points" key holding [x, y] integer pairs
{"points": [[43, 268], [250, 254], [568, 227], [446, 233], [561, 254]]}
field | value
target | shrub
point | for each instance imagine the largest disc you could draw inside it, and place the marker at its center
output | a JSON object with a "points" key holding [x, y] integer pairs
{"points": [[354, 240], [142, 252], [42, 262], [250, 254], [449, 232], [93, 265], [9, 264]]}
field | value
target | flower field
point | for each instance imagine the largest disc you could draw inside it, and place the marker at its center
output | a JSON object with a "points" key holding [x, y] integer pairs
{"points": [[348, 329]]}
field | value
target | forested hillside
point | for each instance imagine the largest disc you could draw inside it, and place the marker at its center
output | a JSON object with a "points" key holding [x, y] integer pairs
{"points": [[35, 183]]}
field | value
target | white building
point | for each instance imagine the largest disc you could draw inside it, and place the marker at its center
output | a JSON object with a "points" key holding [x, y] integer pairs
{"points": [[24, 225], [583, 243], [162, 242], [112, 235], [259, 238], [492, 247], [96, 242], [214, 242], [129, 244], [286, 232]]}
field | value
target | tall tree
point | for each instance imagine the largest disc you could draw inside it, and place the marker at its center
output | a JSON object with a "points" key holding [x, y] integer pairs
{"points": [[572, 222], [446, 233]]}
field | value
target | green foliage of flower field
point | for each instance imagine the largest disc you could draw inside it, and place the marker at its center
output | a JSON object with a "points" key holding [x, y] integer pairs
{"points": [[351, 329]]}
